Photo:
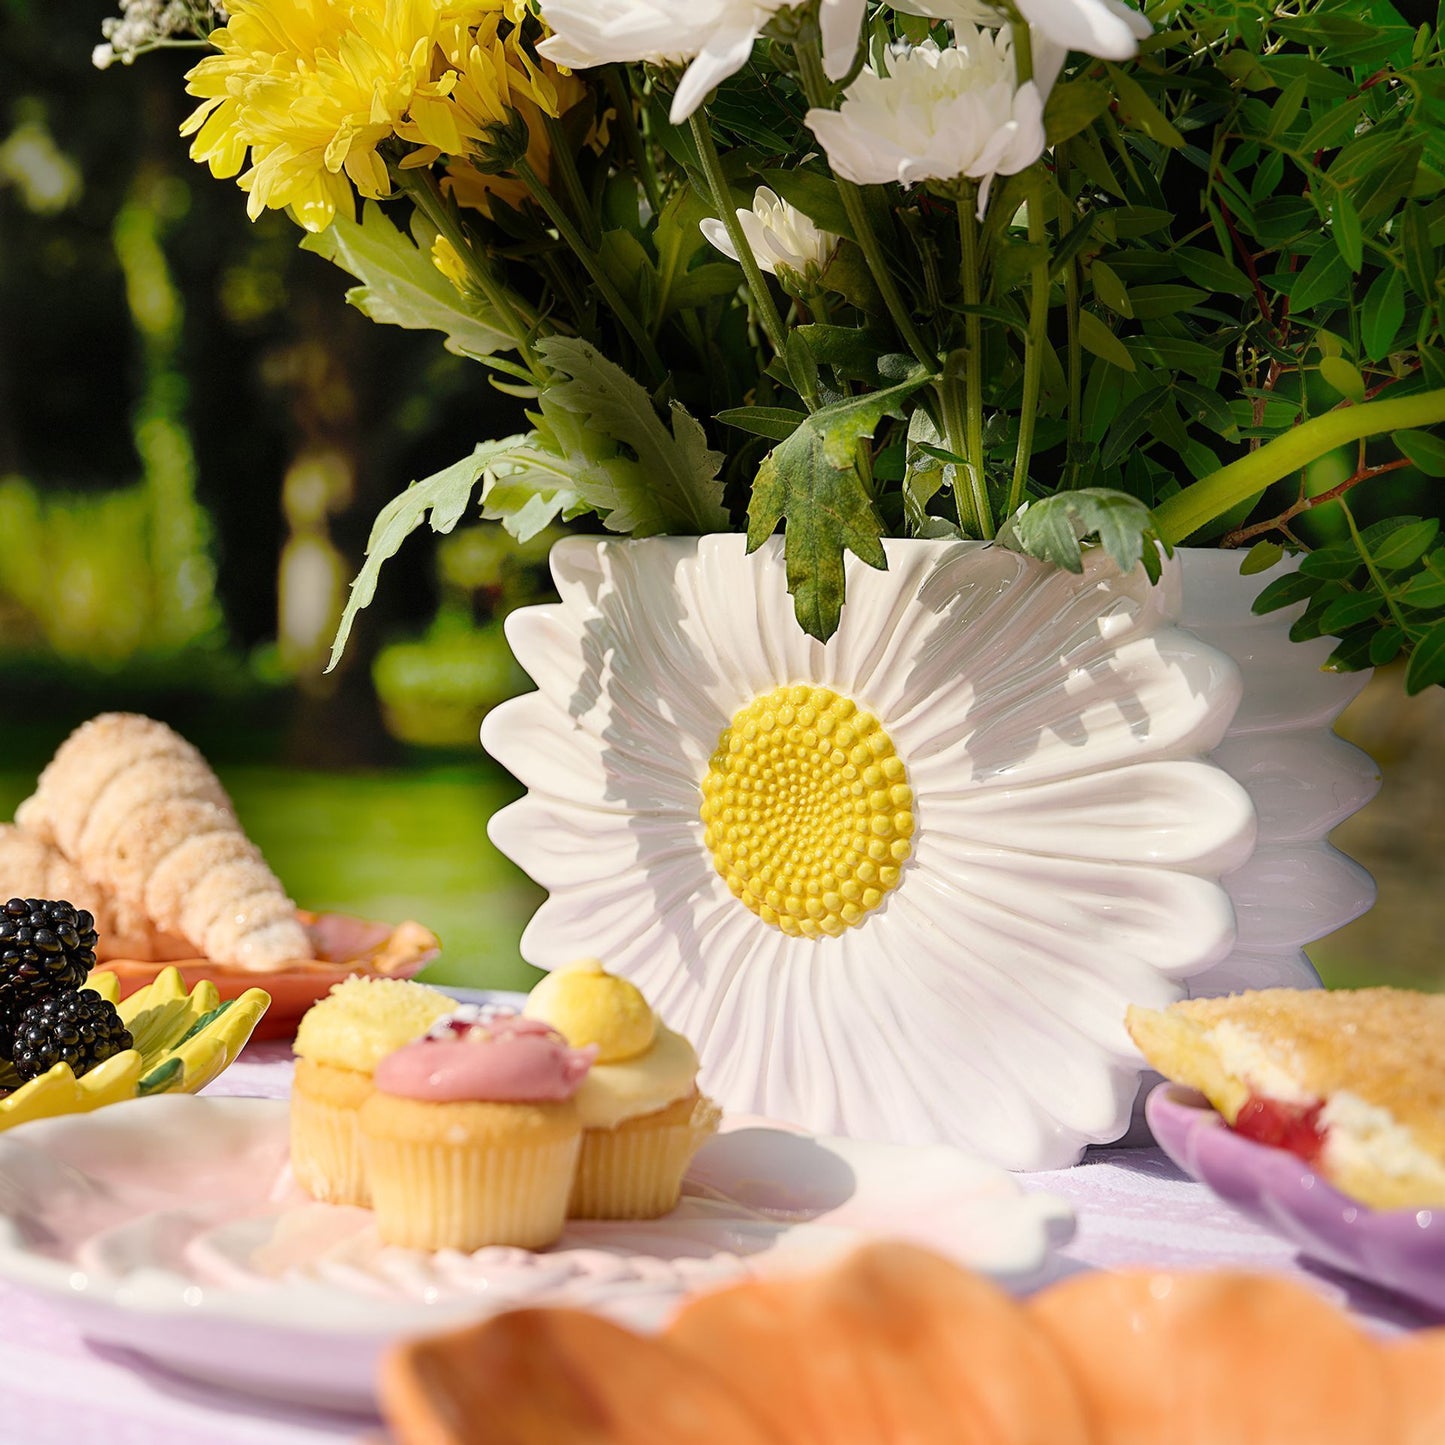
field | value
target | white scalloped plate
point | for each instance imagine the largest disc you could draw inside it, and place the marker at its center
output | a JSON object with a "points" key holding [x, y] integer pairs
{"points": [[171, 1227]]}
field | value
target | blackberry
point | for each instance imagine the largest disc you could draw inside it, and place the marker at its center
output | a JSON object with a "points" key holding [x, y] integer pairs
{"points": [[78, 1028], [45, 947]]}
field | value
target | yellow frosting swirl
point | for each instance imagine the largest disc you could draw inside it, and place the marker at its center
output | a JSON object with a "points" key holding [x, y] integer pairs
{"points": [[363, 1019], [642, 1066]]}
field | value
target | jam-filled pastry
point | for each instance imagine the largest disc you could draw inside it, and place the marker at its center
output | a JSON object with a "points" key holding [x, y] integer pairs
{"points": [[1352, 1081]]}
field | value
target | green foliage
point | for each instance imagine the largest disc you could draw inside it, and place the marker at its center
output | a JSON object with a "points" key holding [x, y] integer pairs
{"points": [[1055, 528]]}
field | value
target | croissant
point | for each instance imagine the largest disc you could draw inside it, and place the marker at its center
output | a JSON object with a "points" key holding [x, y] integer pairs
{"points": [[137, 811]]}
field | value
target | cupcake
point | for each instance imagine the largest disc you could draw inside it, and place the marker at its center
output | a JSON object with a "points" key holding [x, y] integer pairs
{"points": [[338, 1044], [642, 1115], [471, 1136]]}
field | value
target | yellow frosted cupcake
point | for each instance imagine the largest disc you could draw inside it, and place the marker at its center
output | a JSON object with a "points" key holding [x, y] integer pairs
{"points": [[642, 1115], [338, 1044], [471, 1135]]}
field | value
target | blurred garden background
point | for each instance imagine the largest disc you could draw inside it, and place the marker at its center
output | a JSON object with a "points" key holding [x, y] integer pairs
{"points": [[195, 434]]}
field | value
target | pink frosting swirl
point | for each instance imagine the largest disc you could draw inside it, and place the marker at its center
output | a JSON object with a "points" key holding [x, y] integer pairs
{"points": [[503, 1060]]}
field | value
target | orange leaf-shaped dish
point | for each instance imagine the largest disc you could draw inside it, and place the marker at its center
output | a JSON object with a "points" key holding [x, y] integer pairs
{"points": [[896, 1344], [343, 946]]}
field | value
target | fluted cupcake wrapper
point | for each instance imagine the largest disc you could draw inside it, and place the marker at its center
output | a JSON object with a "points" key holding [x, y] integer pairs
{"points": [[465, 1196], [326, 1151], [636, 1171]]}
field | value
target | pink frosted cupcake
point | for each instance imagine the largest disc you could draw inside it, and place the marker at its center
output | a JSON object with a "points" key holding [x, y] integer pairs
{"points": [[471, 1136]]}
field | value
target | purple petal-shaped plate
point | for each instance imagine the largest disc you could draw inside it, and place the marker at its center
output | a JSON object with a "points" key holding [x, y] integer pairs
{"points": [[1397, 1249]]}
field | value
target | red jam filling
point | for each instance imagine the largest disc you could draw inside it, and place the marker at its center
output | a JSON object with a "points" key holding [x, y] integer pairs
{"points": [[1295, 1127]]}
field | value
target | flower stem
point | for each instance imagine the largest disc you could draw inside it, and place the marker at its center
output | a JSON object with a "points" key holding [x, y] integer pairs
{"points": [[819, 93], [1034, 340], [970, 276], [621, 97], [565, 163], [768, 317], [1180, 516], [517, 319], [950, 405], [588, 257]]}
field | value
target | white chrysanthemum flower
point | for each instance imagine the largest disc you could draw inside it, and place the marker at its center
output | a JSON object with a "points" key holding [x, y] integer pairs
{"points": [[779, 234], [1108, 29], [717, 36], [902, 885], [938, 115]]}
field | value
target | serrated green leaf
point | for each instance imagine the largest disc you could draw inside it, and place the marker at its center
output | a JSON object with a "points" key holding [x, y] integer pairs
{"points": [[1095, 337], [678, 491], [812, 484], [1424, 450], [1055, 528], [1260, 558], [1406, 545], [1343, 376], [442, 497], [1382, 313], [1427, 660], [400, 285], [1285, 591], [1346, 612]]}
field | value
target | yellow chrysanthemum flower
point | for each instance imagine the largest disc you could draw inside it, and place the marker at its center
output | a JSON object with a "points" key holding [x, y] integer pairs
{"points": [[311, 88]]}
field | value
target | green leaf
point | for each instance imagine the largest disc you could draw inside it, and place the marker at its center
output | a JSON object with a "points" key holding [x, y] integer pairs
{"points": [[1420, 267], [401, 286], [1427, 661], [1382, 313], [1260, 558], [444, 496], [1324, 278], [1348, 235], [1072, 106], [1385, 645], [776, 422], [1110, 289], [1347, 612], [1352, 654], [811, 482], [1285, 591], [1335, 563], [852, 351], [1140, 113], [1212, 271], [1424, 449], [1096, 337], [679, 491], [1344, 376], [1423, 590], [1151, 302], [1055, 528], [1407, 544]]}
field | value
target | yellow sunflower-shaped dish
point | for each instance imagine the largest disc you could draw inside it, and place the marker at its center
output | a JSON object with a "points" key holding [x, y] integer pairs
{"points": [[181, 1042]]}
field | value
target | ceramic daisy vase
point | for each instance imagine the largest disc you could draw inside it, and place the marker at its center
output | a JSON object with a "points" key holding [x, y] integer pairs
{"points": [[903, 885]]}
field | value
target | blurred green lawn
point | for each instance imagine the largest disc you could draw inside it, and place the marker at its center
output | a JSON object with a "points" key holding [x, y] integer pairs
{"points": [[392, 846]]}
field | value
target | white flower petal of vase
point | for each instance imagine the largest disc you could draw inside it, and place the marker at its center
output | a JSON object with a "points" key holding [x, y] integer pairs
{"points": [[904, 885], [1302, 778]]}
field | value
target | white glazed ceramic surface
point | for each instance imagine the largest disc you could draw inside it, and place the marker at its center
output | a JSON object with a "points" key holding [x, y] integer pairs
{"points": [[171, 1227], [1071, 828], [1302, 779]]}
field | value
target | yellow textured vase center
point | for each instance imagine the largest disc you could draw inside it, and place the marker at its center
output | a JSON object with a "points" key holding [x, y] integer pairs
{"points": [[808, 811]]}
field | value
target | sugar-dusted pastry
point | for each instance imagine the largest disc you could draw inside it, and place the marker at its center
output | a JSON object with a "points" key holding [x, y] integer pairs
{"points": [[642, 1115], [471, 1135], [1353, 1081], [137, 810], [339, 1042]]}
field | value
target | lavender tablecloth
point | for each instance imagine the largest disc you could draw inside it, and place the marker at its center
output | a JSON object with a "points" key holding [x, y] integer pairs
{"points": [[1133, 1206]]}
